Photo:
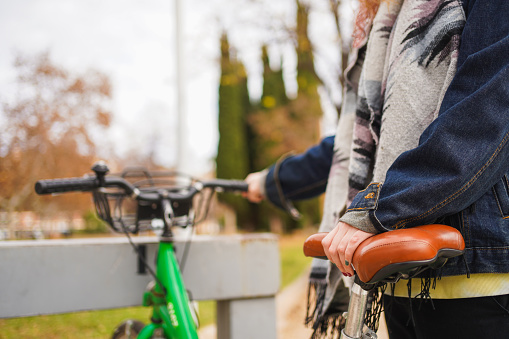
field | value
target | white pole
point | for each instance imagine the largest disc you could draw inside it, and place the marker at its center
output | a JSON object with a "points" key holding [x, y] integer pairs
{"points": [[180, 97]]}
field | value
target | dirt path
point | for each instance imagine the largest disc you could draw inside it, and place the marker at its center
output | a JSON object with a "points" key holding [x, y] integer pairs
{"points": [[291, 306], [290, 312]]}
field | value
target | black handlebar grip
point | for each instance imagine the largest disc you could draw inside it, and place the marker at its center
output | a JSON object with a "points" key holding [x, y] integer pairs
{"points": [[66, 185], [238, 185], [228, 185]]}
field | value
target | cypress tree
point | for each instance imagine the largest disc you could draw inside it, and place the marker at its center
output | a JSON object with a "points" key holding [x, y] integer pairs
{"points": [[281, 125], [277, 126], [274, 91], [267, 142], [268, 122], [232, 160], [306, 108]]}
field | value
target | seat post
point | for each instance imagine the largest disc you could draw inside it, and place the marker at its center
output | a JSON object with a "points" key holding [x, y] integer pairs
{"points": [[356, 312]]}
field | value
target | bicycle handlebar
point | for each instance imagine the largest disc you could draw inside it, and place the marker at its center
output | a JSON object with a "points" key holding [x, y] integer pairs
{"points": [[227, 185], [87, 184], [84, 184], [160, 195]]}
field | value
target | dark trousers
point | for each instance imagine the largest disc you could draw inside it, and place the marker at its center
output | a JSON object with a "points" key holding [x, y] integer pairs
{"points": [[476, 318]]}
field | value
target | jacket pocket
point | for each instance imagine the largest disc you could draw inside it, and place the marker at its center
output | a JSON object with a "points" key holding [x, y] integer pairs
{"points": [[501, 191]]}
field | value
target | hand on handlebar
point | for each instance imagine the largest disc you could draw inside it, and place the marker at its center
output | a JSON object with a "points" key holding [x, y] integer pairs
{"points": [[340, 244], [255, 189]]}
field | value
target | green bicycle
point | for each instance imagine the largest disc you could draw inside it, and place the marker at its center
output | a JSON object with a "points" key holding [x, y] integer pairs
{"points": [[138, 200]]}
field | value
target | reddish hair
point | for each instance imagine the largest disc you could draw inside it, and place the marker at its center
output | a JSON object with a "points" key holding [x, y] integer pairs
{"points": [[363, 19]]}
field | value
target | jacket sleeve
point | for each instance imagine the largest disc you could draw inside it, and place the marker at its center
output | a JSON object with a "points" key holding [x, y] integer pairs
{"points": [[465, 151], [301, 176]]}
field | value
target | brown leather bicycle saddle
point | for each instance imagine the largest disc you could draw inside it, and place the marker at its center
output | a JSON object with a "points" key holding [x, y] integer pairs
{"points": [[399, 252]]}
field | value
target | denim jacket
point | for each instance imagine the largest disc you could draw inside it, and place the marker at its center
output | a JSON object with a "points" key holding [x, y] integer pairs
{"points": [[458, 174], [301, 176]]}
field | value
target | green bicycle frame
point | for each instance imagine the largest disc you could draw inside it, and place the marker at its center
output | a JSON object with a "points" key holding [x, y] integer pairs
{"points": [[171, 312]]}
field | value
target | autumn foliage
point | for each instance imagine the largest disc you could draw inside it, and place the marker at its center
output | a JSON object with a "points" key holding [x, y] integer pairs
{"points": [[51, 131]]}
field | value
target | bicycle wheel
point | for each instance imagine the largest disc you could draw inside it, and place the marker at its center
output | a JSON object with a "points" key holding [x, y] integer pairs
{"points": [[129, 329]]}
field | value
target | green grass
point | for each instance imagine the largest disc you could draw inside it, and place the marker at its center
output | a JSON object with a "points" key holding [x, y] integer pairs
{"points": [[90, 324], [293, 262], [100, 324]]}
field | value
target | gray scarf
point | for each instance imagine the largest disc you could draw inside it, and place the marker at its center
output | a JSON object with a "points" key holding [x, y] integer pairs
{"points": [[413, 44]]}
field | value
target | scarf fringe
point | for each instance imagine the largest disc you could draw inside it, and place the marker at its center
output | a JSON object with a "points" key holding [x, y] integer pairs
{"points": [[316, 299], [375, 307], [428, 282], [328, 327]]}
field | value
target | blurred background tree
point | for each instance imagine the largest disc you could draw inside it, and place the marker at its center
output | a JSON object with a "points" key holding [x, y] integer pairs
{"points": [[51, 129], [52, 126], [278, 125], [233, 152]]}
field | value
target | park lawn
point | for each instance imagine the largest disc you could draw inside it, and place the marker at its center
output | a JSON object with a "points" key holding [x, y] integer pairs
{"points": [[100, 324]]}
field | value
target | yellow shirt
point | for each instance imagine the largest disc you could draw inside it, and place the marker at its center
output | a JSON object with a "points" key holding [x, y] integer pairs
{"points": [[454, 287]]}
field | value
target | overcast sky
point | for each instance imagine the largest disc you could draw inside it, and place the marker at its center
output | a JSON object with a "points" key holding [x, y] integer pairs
{"points": [[132, 41]]}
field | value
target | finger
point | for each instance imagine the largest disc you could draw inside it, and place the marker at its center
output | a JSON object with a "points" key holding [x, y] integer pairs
{"points": [[248, 195], [348, 250], [253, 193], [327, 241], [255, 197], [355, 240], [342, 264], [335, 247]]}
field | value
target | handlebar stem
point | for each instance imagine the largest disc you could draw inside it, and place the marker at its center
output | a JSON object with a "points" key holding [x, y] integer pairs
{"points": [[168, 215]]}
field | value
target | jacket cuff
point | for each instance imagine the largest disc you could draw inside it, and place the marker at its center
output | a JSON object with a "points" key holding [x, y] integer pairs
{"points": [[362, 208], [274, 191], [270, 190], [263, 180], [359, 220]]}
